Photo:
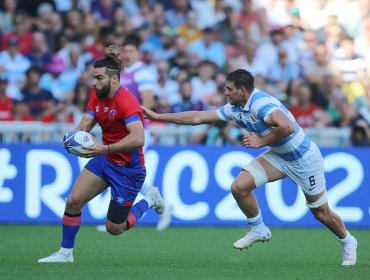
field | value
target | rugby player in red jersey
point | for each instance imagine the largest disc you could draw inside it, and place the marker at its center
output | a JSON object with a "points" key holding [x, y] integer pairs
{"points": [[118, 163]]}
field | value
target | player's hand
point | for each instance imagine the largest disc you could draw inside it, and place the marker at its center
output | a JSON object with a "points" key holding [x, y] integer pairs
{"points": [[95, 150], [251, 140], [149, 114]]}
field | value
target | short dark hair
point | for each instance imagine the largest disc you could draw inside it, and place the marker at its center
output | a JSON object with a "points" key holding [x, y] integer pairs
{"points": [[113, 67], [132, 39], [35, 69], [110, 61], [241, 78]]}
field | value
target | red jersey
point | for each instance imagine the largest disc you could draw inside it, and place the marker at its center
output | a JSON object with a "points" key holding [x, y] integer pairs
{"points": [[113, 115], [305, 116], [6, 108]]}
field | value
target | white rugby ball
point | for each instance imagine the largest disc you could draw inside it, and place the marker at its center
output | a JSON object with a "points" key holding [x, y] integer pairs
{"points": [[74, 141]]}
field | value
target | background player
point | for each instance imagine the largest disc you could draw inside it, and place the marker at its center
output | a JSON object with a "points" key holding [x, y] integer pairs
{"points": [[119, 163], [292, 154]]}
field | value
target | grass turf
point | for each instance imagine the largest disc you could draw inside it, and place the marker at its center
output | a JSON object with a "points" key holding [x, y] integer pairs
{"points": [[179, 253]]}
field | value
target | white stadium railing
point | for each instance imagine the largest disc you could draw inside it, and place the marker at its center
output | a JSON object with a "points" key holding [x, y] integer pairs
{"points": [[169, 134]]}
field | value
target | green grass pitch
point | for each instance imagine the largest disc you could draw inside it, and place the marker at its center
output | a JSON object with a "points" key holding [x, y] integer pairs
{"points": [[179, 253]]}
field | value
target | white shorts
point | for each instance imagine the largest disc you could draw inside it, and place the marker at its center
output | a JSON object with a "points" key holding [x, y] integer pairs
{"points": [[307, 172]]}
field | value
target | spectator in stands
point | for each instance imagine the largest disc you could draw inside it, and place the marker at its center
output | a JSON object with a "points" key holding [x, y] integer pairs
{"points": [[39, 55], [190, 30], [166, 51], [306, 47], [227, 25], [103, 10], [281, 74], [60, 83], [73, 26], [22, 32], [44, 12], [53, 31], [204, 86], [40, 101], [327, 96], [305, 112], [360, 133], [180, 59], [147, 50], [165, 87], [6, 103], [187, 104], [267, 52], [317, 68], [249, 61], [218, 13], [176, 14], [236, 49], [22, 113], [348, 114], [247, 17], [335, 34], [31, 7], [117, 21], [8, 9], [75, 59], [348, 62], [209, 47], [362, 43], [145, 16], [79, 102], [90, 30], [14, 65]]}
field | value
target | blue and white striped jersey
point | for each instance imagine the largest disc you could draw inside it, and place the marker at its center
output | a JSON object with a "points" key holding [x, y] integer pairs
{"points": [[253, 116]]}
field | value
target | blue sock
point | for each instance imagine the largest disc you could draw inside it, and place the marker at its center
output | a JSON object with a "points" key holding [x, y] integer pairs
{"points": [[139, 208], [71, 225]]}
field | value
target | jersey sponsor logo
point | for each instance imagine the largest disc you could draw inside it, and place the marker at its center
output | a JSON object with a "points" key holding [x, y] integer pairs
{"points": [[106, 109], [112, 113]]}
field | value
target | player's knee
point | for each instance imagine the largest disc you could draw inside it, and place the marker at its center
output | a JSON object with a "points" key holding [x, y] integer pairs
{"points": [[239, 188], [114, 229], [73, 204]]}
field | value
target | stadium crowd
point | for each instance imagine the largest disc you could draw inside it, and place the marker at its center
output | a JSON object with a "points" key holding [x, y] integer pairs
{"points": [[314, 56]]}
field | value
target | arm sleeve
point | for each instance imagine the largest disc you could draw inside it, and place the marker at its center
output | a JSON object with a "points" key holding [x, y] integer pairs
{"points": [[265, 111], [131, 110], [224, 112]]}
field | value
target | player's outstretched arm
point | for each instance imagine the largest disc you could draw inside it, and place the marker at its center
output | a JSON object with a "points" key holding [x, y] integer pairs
{"points": [[189, 118]]}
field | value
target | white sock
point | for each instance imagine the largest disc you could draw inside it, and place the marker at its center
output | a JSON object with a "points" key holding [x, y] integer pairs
{"points": [[66, 251], [257, 224], [347, 239]]}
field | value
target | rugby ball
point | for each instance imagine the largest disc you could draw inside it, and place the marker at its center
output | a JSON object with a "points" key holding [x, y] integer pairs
{"points": [[74, 141]]}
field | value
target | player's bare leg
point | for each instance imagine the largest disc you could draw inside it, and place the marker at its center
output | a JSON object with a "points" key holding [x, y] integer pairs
{"points": [[334, 223], [87, 186], [242, 189]]}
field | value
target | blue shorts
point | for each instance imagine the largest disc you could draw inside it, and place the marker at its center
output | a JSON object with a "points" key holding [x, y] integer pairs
{"points": [[125, 183]]}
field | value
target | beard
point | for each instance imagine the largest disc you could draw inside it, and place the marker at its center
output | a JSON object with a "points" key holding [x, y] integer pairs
{"points": [[103, 92]]}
